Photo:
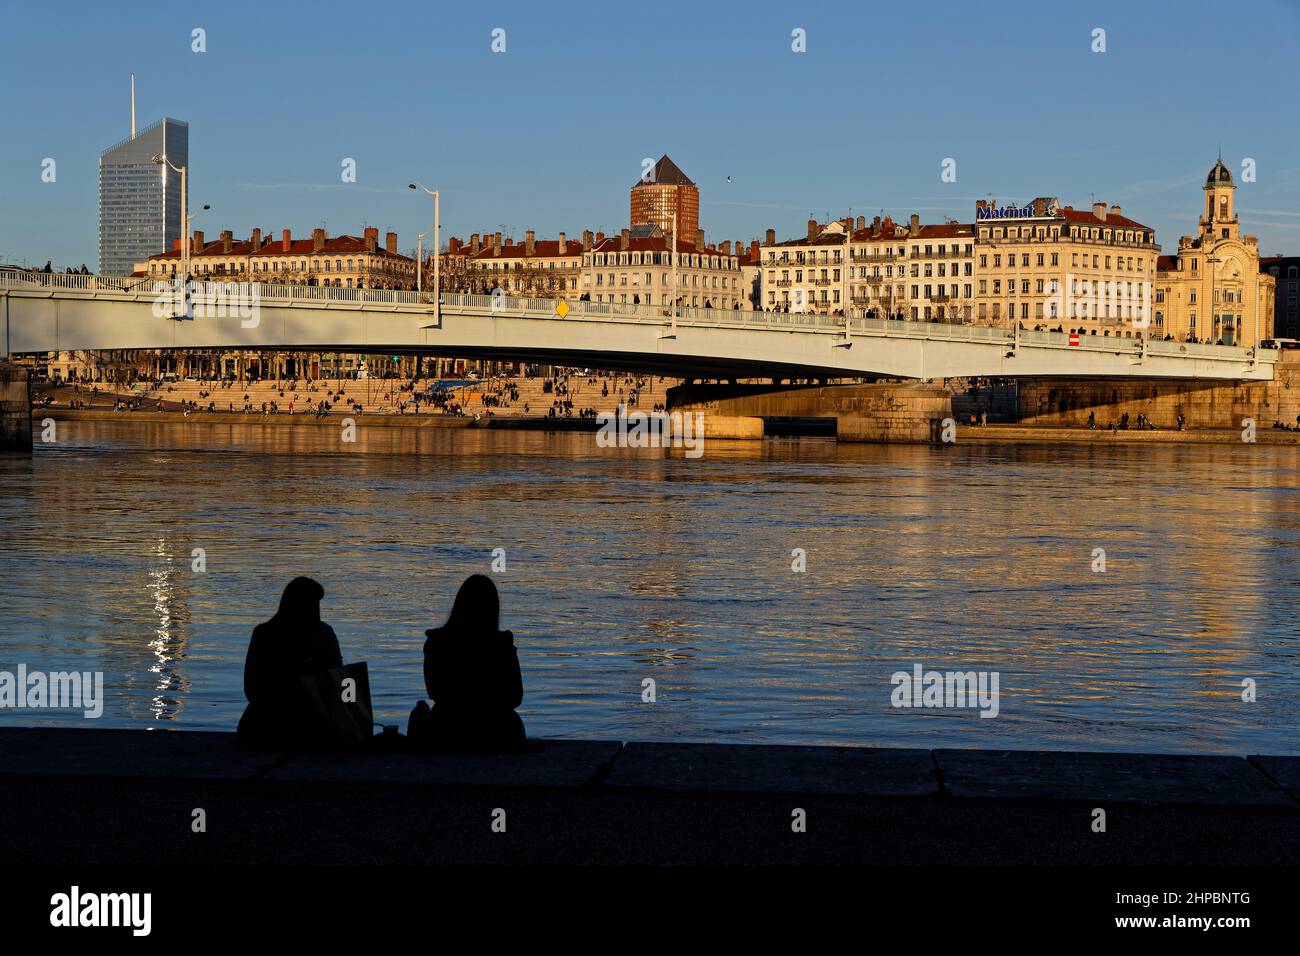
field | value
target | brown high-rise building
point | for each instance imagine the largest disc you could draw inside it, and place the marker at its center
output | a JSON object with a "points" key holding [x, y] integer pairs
{"points": [[661, 191]]}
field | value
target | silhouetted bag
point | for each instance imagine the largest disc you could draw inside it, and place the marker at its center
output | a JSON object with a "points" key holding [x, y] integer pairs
{"points": [[341, 715]]}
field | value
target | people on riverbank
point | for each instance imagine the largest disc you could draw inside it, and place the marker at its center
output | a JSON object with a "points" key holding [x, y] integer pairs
{"points": [[471, 673], [294, 644]]}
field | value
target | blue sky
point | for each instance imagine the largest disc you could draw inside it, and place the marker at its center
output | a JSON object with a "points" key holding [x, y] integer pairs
{"points": [[551, 133]]}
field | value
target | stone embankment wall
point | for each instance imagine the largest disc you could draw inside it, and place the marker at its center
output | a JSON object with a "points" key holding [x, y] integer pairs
{"points": [[15, 408], [1204, 404]]}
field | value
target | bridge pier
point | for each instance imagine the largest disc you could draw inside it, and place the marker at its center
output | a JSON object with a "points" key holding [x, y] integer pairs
{"points": [[1204, 404], [15, 408], [887, 413]]}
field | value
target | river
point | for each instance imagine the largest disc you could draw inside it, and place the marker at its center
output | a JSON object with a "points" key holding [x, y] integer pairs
{"points": [[628, 564]]}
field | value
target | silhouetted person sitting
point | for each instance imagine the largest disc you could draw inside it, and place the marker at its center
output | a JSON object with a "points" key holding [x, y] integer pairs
{"points": [[471, 671], [293, 644]]}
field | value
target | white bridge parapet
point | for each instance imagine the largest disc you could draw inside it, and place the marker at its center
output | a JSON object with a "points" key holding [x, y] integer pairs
{"points": [[60, 312]]}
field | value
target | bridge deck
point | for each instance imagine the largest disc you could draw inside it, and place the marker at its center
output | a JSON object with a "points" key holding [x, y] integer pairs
{"points": [[52, 312]]}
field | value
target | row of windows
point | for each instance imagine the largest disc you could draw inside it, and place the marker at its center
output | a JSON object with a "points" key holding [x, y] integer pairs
{"points": [[1077, 287], [519, 266], [834, 256], [1220, 295], [658, 259], [691, 279], [1053, 233], [695, 301], [334, 265]]}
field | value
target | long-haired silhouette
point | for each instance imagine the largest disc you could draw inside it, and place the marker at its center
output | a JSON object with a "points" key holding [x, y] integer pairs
{"points": [[471, 671], [295, 643]]}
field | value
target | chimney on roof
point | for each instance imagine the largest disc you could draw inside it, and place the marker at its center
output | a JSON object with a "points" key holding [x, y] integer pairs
{"points": [[812, 229], [625, 239], [754, 254], [875, 223], [473, 243], [600, 237], [699, 240], [725, 248], [285, 240], [496, 242], [256, 241], [530, 242], [317, 240], [453, 246], [196, 242], [1114, 210], [770, 237], [1099, 210], [561, 244], [862, 222], [227, 241], [371, 234], [390, 242], [914, 225], [586, 240]]}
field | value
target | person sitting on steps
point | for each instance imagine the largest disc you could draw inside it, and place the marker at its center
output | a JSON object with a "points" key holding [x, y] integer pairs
{"points": [[471, 672]]}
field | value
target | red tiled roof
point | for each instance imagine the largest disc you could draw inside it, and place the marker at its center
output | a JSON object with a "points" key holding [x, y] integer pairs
{"points": [[653, 244], [947, 230], [542, 249], [334, 245], [1085, 216]]}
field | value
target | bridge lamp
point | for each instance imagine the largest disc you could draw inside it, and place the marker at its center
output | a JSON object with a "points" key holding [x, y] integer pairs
{"points": [[419, 261], [162, 160], [437, 250]]}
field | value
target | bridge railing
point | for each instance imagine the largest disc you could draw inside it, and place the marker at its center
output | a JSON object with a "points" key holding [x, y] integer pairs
{"points": [[205, 287], [545, 308]]}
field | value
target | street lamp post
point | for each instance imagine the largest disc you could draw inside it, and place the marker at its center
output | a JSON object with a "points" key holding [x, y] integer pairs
{"points": [[419, 262], [672, 257], [437, 250], [848, 237], [1213, 262], [162, 160]]}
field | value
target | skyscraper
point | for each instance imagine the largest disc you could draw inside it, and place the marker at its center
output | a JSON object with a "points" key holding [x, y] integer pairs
{"points": [[139, 200], [661, 191]]}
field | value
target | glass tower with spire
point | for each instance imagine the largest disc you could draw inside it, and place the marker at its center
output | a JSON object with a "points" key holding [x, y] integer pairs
{"points": [[139, 200]]}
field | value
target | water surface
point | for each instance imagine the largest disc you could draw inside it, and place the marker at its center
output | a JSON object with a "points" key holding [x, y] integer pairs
{"points": [[623, 565]]}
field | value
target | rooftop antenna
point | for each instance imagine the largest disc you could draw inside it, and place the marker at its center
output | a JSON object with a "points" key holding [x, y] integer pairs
{"points": [[133, 106]]}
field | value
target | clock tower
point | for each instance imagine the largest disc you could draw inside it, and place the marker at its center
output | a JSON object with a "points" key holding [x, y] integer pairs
{"points": [[1219, 218], [1212, 290]]}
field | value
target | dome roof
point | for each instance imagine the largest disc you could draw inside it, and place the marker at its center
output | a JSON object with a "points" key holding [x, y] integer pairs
{"points": [[1219, 175]]}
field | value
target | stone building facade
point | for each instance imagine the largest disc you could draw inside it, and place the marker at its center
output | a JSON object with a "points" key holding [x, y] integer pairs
{"points": [[1212, 289]]}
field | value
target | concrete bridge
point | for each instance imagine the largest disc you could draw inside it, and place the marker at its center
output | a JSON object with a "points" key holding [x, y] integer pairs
{"points": [[56, 312]]}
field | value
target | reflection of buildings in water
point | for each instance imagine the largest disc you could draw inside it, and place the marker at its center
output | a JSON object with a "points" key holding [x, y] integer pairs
{"points": [[661, 647], [1226, 578], [169, 686]]}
